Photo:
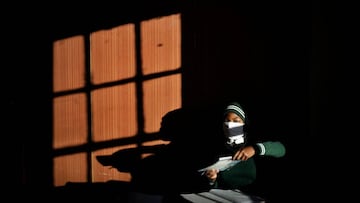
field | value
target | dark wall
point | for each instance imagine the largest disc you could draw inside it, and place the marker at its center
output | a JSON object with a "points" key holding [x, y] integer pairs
{"points": [[262, 60], [280, 63]]}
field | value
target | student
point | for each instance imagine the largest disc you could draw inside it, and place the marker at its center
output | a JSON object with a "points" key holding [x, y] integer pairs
{"points": [[197, 136], [238, 144]]}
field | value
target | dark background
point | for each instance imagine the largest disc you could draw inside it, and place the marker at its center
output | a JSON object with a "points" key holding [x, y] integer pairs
{"points": [[288, 63]]}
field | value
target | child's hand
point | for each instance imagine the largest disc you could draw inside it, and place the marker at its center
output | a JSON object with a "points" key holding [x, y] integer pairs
{"points": [[212, 174]]}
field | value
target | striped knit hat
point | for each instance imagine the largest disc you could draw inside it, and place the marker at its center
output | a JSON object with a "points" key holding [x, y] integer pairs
{"points": [[235, 108]]}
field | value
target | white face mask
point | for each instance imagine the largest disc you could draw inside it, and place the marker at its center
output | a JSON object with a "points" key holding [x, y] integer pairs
{"points": [[234, 133], [232, 124]]}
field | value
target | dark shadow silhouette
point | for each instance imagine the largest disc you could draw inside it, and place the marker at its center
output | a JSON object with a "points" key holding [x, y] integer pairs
{"points": [[171, 169], [127, 160]]}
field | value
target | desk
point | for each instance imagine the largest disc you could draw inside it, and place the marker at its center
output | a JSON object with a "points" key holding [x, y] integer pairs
{"points": [[223, 196]]}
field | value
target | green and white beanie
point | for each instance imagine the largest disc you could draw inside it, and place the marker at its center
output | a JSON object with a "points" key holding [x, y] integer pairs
{"points": [[235, 108]]}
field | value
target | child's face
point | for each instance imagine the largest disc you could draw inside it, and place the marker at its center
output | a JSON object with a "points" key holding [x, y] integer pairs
{"points": [[233, 131]]}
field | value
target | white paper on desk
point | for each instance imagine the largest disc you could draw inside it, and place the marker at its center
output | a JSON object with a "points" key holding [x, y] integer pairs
{"points": [[222, 164]]}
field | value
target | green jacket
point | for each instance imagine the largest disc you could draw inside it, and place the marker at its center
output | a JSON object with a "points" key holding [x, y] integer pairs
{"points": [[244, 172]]}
